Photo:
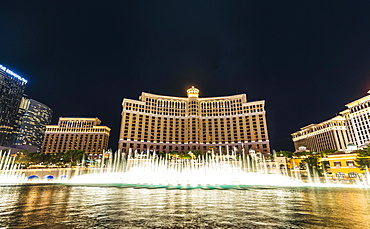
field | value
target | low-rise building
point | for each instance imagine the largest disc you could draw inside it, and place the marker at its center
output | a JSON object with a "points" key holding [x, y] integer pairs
{"points": [[342, 163]]}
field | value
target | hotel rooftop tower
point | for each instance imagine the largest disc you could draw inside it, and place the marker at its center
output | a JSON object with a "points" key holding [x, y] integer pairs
{"points": [[166, 123], [11, 90]]}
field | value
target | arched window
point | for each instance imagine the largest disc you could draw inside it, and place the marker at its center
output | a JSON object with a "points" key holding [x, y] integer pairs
{"points": [[340, 175]]}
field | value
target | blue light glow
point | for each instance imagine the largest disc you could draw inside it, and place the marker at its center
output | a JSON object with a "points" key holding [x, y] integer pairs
{"points": [[10, 72]]}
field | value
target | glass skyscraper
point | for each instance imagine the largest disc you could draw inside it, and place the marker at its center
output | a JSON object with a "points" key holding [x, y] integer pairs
{"points": [[11, 90], [33, 117]]}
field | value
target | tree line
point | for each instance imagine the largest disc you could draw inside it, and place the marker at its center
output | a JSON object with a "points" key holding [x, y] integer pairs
{"points": [[75, 157], [62, 159]]}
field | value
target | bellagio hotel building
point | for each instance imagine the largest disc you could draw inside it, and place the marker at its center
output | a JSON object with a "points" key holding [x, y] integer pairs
{"points": [[167, 123]]}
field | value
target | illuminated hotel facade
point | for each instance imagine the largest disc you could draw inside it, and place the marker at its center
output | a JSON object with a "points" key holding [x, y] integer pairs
{"points": [[11, 90], [330, 134], [357, 117], [76, 134], [182, 124], [351, 126]]}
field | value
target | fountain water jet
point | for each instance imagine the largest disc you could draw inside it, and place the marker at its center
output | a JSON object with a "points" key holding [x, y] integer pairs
{"points": [[10, 172], [139, 170]]}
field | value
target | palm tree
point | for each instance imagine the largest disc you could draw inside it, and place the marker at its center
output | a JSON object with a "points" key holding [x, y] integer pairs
{"points": [[363, 158]]}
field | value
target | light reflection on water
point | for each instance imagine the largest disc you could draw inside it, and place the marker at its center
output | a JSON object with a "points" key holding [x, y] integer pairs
{"points": [[58, 206]]}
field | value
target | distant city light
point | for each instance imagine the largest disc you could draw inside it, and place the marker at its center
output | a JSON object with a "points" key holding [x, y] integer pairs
{"points": [[12, 73]]}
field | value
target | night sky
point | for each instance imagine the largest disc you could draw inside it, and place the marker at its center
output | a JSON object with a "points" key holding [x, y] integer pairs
{"points": [[306, 59]]}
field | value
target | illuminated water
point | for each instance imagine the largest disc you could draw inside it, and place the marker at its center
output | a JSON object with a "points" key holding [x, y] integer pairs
{"points": [[149, 193], [60, 206], [151, 171]]}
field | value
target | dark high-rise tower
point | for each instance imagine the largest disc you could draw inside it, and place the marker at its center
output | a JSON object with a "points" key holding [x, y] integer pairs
{"points": [[33, 117], [11, 90]]}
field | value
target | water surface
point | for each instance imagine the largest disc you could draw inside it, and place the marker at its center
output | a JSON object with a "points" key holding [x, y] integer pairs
{"points": [[60, 206]]}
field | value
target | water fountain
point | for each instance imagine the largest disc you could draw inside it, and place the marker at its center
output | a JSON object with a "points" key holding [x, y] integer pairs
{"points": [[141, 170], [10, 172]]}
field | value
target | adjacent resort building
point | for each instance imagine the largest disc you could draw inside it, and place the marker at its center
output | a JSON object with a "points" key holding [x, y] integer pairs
{"points": [[76, 134], [351, 126], [345, 133], [330, 134], [357, 117], [166, 123]]}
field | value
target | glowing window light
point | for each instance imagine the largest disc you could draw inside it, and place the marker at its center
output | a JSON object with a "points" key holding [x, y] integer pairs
{"points": [[10, 72]]}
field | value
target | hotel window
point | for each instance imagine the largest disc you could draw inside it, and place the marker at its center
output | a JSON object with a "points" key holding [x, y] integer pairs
{"points": [[350, 163], [337, 164]]}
